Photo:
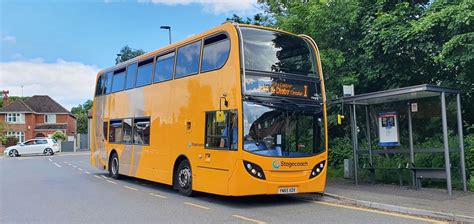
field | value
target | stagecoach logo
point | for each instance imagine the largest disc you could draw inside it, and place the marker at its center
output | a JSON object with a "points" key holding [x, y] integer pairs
{"points": [[277, 164]]}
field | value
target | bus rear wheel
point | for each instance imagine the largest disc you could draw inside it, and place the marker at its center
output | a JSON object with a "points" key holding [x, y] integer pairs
{"points": [[184, 178], [114, 166]]}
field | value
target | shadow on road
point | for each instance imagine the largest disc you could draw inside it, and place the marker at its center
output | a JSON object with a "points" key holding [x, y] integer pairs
{"points": [[230, 201]]}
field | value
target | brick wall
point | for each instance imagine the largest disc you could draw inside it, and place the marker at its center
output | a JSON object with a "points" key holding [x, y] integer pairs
{"points": [[70, 121]]}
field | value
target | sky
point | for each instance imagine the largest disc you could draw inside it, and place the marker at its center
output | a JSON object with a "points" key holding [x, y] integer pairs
{"points": [[56, 47]]}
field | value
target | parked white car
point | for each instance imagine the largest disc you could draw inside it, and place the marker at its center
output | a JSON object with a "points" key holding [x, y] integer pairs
{"points": [[44, 146]]}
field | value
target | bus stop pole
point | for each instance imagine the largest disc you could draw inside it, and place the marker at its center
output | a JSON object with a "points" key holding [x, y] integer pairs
{"points": [[369, 139], [354, 140], [445, 143], [461, 142], [410, 137]]}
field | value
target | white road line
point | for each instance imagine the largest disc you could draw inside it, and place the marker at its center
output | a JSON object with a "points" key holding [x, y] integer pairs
{"points": [[248, 219], [157, 195], [97, 177], [130, 188], [79, 169], [74, 166], [57, 165], [50, 159], [111, 182], [197, 206], [104, 176], [87, 172]]}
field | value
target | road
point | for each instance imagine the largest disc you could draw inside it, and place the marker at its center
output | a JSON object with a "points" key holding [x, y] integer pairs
{"points": [[64, 188]]}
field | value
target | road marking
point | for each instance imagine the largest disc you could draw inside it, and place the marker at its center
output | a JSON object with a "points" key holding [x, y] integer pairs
{"points": [[74, 154], [104, 176], [88, 172], [157, 195], [74, 166], [97, 177], [197, 206], [57, 165], [50, 159], [130, 188], [378, 212], [79, 169], [248, 219], [111, 182]]}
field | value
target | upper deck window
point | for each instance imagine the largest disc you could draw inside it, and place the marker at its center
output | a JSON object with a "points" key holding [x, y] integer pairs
{"points": [[188, 59], [99, 88], [131, 76], [164, 67], [108, 82], [119, 80], [145, 72], [271, 51], [215, 52]]}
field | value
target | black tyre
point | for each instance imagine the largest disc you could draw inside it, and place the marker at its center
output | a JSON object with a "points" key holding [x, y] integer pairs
{"points": [[48, 152], [114, 166], [13, 153], [184, 178]]}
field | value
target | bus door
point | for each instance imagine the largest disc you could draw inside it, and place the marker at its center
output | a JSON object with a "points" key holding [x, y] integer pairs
{"points": [[220, 148]]}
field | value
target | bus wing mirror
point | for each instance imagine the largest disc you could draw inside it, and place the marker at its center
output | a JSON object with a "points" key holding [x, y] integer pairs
{"points": [[220, 116]]}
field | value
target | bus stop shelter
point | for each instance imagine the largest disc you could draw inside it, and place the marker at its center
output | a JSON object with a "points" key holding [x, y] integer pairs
{"points": [[408, 94]]}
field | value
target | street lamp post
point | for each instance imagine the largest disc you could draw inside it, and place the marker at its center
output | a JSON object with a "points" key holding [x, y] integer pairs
{"points": [[169, 31]]}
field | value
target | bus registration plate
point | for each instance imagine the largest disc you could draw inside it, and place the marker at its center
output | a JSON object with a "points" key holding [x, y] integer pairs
{"points": [[287, 190]]}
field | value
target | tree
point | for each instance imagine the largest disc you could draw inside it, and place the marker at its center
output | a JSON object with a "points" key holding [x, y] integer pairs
{"points": [[127, 53], [81, 114], [59, 136]]}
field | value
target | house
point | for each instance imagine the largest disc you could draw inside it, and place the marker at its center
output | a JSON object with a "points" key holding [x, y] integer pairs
{"points": [[38, 116]]}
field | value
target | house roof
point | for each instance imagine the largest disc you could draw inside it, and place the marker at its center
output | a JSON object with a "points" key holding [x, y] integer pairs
{"points": [[17, 106], [36, 104]]}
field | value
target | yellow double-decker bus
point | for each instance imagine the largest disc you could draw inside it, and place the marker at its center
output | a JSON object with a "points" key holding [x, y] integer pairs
{"points": [[236, 110]]}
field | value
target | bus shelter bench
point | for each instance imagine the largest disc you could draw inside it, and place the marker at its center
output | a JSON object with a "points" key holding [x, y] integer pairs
{"points": [[428, 172], [398, 169]]}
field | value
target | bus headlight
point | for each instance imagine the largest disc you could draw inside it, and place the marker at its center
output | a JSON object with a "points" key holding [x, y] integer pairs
{"points": [[317, 169], [254, 170]]}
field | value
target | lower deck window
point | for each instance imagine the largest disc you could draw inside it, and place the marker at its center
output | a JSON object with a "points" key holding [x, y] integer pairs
{"points": [[141, 131]]}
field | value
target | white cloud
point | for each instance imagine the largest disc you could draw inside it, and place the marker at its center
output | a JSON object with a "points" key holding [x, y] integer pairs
{"points": [[242, 7], [8, 39], [69, 83]]}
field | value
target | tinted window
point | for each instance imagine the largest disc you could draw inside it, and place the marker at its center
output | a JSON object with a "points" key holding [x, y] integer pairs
{"points": [[221, 134], [119, 80], [141, 131], [115, 131], [108, 83], [127, 131], [164, 67], [145, 72], [188, 59], [100, 85], [272, 51], [131, 76], [215, 52]]}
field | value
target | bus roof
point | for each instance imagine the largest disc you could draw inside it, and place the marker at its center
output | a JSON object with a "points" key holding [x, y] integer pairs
{"points": [[183, 42]]}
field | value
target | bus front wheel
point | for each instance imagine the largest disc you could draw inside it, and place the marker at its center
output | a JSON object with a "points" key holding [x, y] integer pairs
{"points": [[184, 178]]}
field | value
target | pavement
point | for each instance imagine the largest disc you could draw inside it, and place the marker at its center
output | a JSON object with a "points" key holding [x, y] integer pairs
{"points": [[434, 203], [64, 188]]}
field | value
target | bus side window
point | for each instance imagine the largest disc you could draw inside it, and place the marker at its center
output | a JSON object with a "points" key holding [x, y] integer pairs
{"points": [[187, 62], [145, 73], [215, 52], [127, 131], [141, 131], [164, 67], [221, 135], [131, 76], [108, 82], [115, 131], [118, 82], [106, 130]]}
